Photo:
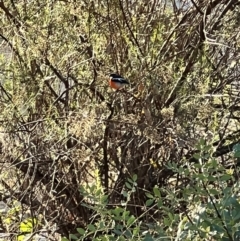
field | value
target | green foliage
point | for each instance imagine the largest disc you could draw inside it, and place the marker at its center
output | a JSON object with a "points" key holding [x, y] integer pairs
{"points": [[116, 223], [236, 150], [213, 207]]}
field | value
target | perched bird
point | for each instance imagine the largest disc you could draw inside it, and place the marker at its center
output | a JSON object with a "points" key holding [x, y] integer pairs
{"points": [[117, 81]]}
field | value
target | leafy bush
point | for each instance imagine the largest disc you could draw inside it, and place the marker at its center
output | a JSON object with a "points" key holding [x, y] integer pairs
{"points": [[206, 208]]}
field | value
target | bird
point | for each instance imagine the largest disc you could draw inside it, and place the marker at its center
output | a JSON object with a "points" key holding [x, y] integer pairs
{"points": [[117, 81]]}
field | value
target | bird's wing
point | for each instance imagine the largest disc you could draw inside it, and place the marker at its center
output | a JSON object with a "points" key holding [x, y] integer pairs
{"points": [[120, 80]]}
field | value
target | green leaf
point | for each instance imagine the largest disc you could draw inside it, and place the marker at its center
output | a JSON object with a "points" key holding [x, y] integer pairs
{"points": [[167, 222], [104, 198], [118, 232], [213, 191], [102, 224], [98, 192], [159, 204], [225, 177], [171, 217], [128, 185], [236, 150], [117, 211], [91, 227], [81, 231], [149, 202], [131, 220], [199, 176], [231, 201], [134, 177], [73, 237], [136, 230], [126, 214], [128, 233], [211, 178], [149, 195], [148, 237], [196, 156], [129, 180], [156, 192], [124, 193], [64, 239]]}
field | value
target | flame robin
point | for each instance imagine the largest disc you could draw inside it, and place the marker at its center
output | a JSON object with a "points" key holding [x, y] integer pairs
{"points": [[117, 81]]}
